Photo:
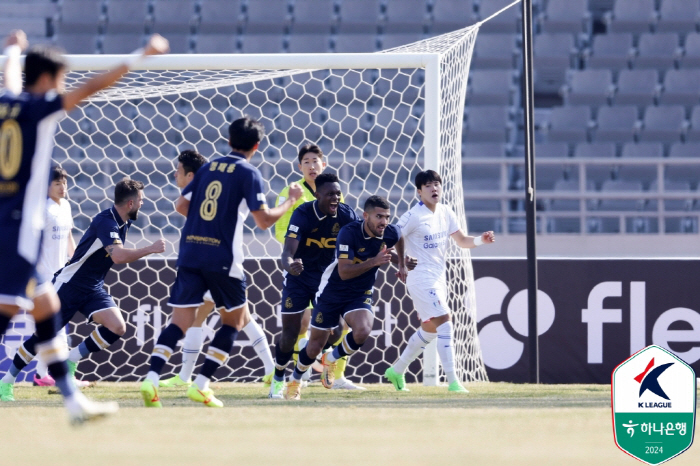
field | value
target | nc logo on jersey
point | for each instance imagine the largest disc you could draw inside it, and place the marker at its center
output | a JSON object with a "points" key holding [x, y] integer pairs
{"points": [[288, 303], [336, 229], [653, 405]]}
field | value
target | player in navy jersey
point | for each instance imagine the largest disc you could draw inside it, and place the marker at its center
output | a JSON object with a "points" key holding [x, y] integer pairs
{"points": [[80, 284], [216, 203], [28, 119], [346, 289], [309, 247]]}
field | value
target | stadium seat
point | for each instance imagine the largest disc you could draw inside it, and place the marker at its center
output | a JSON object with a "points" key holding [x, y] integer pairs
{"points": [[683, 174], [657, 51], [566, 16], [24, 9], [448, 15], [595, 150], [637, 87], [618, 186], [679, 16], [687, 150], [665, 123], [485, 150], [491, 87], [32, 26], [81, 16], [216, 43], [494, 51], [390, 41], [643, 150], [631, 16], [569, 124], [405, 16], [173, 17], [121, 43], [488, 124], [314, 16], [564, 224], [588, 87], [482, 177], [596, 174], [126, 16], [616, 124], [78, 43], [220, 16], [309, 43], [691, 56], [610, 51], [643, 174], [694, 130], [266, 17], [359, 16], [548, 174], [553, 55], [551, 150], [681, 87], [354, 43], [506, 21]]}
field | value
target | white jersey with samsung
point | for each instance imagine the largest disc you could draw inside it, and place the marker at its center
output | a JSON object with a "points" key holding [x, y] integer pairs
{"points": [[54, 246]]}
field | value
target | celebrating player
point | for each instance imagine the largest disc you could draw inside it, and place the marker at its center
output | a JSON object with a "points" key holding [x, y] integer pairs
{"points": [[80, 283], [27, 124], [216, 203], [346, 289], [189, 162], [309, 248], [426, 229]]}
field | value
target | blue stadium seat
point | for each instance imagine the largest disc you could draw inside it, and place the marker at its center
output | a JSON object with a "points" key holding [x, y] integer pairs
{"points": [[494, 51], [679, 16], [589, 87], [126, 16], [631, 16], [566, 16], [616, 124], [637, 87], [665, 123], [610, 51], [657, 51], [569, 124], [220, 16]]}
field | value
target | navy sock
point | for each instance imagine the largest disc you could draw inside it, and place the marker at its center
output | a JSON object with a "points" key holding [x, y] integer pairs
{"points": [[219, 349], [4, 323], [304, 362], [281, 361], [25, 354], [46, 331], [346, 347], [164, 347], [103, 335]]}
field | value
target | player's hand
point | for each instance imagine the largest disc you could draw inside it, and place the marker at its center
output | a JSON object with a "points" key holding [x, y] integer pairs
{"points": [[383, 257], [295, 192], [296, 267], [158, 247], [157, 45], [488, 237], [17, 37], [402, 273], [410, 262]]}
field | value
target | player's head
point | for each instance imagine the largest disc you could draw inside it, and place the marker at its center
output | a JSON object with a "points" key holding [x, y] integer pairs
{"points": [[429, 186], [44, 69], [245, 134], [328, 193], [311, 162], [188, 162], [128, 195], [376, 215], [58, 183]]}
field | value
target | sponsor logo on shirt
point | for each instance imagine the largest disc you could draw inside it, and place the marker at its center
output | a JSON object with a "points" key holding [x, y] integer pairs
{"points": [[294, 228], [113, 234], [261, 197], [343, 247]]}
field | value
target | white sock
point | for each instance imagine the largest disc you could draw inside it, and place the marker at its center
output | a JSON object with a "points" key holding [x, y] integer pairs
{"points": [[191, 347], [8, 378], [75, 355], [446, 351], [41, 369], [416, 345], [153, 377], [202, 382], [256, 334]]}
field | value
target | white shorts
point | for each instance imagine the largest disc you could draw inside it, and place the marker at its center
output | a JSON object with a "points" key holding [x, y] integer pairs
{"points": [[208, 297], [429, 302]]}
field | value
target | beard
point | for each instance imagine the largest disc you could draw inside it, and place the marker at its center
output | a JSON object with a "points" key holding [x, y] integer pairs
{"points": [[134, 214]]}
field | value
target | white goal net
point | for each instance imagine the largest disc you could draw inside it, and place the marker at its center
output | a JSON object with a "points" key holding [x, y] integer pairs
{"points": [[379, 118]]}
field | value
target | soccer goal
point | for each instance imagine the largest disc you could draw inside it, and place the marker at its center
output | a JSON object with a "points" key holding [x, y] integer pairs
{"points": [[379, 118]]}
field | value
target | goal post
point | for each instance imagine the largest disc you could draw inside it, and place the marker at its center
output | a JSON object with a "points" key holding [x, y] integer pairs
{"points": [[378, 117]]}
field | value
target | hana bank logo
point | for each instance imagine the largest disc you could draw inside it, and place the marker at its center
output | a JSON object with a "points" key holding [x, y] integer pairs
{"points": [[503, 335]]}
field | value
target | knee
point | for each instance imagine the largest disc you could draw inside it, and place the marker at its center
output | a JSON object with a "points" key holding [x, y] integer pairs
{"points": [[118, 328], [361, 333], [313, 349], [287, 340]]}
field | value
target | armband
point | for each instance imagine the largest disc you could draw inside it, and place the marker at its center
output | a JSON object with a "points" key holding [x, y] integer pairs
{"points": [[478, 241]]}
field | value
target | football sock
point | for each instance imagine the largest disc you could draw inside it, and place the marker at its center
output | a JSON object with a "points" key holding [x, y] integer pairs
{"points": [[260, 345], [302, 365], [41, 370], [348, 346], [4, 323], [52, 350], [25, 354], [281, 359], [99, 339], [446, 351], [416, 345], [300, 337], [162, 351], [342, 363], [217, 353], [191, 347]]}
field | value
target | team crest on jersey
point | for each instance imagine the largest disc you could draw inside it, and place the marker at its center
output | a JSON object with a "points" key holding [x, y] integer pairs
{"points": [[361, 250], [319, 318], [288, 303], [382, 246], [314, 230], [336, 229]]}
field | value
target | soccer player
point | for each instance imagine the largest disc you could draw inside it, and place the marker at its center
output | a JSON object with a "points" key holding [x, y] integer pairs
{"points": [[311, 164], [346, 289], [80, 284], [28, 120], [216, 203], [309, 248], [426, 229], [188, 163]]}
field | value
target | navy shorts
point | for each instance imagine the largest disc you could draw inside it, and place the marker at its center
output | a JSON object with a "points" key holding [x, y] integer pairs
{"points": [[18, 278], [297, 295], [74, 299], [327, 312], [191, 284]]}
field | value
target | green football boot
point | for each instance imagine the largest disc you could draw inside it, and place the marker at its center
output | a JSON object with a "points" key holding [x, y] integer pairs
{"points": [[149, 393], [457, 387], [398, 380], [276, 390], [204, 396], [7, 391]]}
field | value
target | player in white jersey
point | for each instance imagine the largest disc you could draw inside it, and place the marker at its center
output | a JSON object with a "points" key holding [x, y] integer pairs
{"points": [[426, 229]]}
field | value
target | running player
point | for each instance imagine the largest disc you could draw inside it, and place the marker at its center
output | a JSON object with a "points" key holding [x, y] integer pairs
{"points": [[80, 284], [188, 163], [346, 289], [426, 229], [216, 203], [28, 121], [309, 248]]}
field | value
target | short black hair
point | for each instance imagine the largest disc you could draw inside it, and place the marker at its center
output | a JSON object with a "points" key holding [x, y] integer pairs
{"points": [[43, 58], [427, 176], [245, 133], [373, 202], [57, 174], [313, 148], [191, 160], [324, 178], [126, 189]]}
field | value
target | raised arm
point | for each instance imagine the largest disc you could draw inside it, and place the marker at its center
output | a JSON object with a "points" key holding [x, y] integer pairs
{"points": [[469, 242], [157, 45], [122, 255], [347, 269], [15, 44], [265, 218]]}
